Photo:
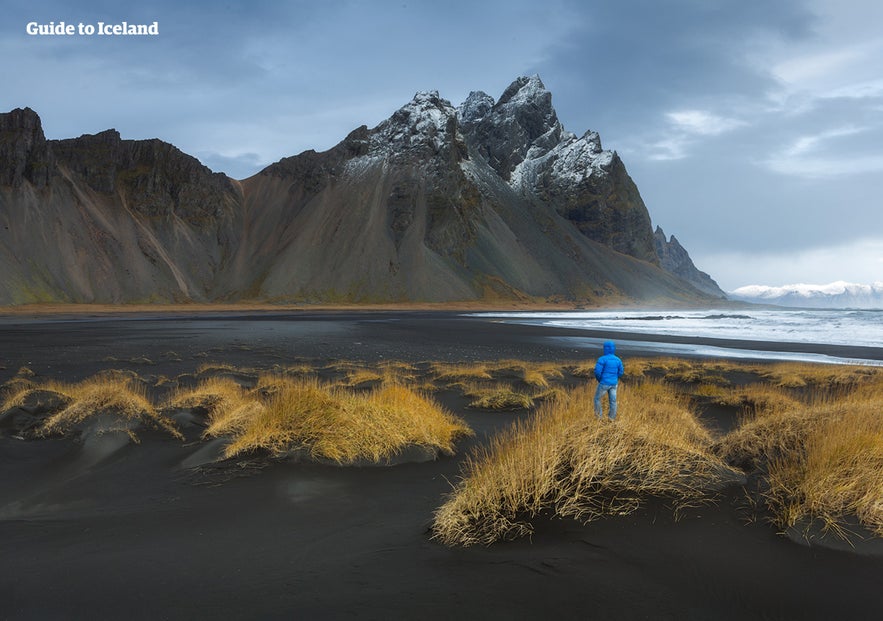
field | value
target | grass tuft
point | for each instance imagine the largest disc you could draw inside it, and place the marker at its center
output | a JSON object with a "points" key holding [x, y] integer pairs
{"points": [[448, 372], [121, 403], [226, 404], [496, 397], [821, 462], [346, 427], [566, 461]]}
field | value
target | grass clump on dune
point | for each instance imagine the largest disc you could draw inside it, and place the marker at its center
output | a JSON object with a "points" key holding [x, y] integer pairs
{"points": [[533, 374], [771, 429], [226, 403], [819, 462], [803, 374], [457, 372], [839, 473], [496, 397], [565, 461], [337, 424], [121, 404], [758, 400]]}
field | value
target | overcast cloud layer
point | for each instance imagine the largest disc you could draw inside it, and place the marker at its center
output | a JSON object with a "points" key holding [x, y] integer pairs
{"points": [[753, 129]]}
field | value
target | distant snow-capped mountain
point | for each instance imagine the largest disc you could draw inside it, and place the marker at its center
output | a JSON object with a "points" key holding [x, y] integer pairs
{"points": [[838, 294]]}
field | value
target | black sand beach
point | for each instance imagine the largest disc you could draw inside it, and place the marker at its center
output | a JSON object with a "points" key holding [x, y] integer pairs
{"points": [[89, 532]]}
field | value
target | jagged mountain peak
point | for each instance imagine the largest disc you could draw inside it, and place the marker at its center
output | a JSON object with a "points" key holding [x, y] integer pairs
{"points": [[505, 132], [23, 149], [425, 106], [674, 259], [475, 107], [524, 90], [427, 121], [20, 118], [527, 103]]}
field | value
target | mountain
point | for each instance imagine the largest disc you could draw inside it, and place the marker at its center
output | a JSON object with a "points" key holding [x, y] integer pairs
{"points": [[101, 219], [834, 295], [487, 201], [674, 259]]}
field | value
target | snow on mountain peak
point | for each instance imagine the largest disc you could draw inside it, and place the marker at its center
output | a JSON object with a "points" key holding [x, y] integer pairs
{"points": [[525, 90], [519, 135], [475, 107], [425, 120], [838, 294]]}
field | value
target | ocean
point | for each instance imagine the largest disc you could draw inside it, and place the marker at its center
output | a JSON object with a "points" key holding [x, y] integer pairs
{"points": [[792, 331]]}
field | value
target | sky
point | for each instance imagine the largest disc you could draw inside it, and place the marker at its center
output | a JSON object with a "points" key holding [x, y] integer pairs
{"points": [[752, 128]]}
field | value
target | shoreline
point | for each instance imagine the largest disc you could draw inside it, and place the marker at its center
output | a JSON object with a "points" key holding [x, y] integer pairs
{"points": [[413, 333], [477, 306]]}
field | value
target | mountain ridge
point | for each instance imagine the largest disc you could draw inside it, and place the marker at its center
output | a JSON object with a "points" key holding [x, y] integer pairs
{"points": [[488, 200]]}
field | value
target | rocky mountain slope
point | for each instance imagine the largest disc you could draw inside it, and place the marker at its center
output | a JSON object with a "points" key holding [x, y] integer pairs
{"points": [[674, 259], [491, 200]]}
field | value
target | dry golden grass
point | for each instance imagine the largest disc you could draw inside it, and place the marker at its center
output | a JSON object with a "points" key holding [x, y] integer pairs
{"points": [[802, 374], [774, 425], [538, 375], [758, 400], [585, 369], [228, 406], [548, 394], [823, 461], [449, 372], [356, 377], [18, 393], [346, 427], [296, 369], [122, 403], [215, 367], [715, 392], [690, 371], [496, 396], [242, 374], [121, 375], [398, 367], [24, 372], [13, 388], [566, 461]]}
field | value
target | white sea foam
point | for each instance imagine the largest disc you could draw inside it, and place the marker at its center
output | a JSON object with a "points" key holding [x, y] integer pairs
{"points": [[823, 327]]}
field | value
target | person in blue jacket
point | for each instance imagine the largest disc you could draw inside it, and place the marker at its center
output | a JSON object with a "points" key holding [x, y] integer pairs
{"points": [[608, 370]]}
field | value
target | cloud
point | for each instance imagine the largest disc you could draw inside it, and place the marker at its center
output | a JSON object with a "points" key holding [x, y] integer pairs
{"points": [[702, 122], [663, 150], [826, 155], [821, 168], [684, 130], [858, 261]]}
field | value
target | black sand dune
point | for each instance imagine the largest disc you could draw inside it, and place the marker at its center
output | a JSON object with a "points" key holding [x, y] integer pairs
{"points": [[111, 529]]}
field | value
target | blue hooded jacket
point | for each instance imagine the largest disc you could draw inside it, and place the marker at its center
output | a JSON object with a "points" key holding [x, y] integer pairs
{"points": [[609, 367]]}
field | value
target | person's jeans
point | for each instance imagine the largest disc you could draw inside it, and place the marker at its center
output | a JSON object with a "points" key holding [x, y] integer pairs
{"points": [[611, 397]]}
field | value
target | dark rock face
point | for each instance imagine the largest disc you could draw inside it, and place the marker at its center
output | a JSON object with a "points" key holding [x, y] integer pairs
{"points": [[674, 259], [157, 179], [503, 133], [486, 201], [24, 155], [521, 138]]}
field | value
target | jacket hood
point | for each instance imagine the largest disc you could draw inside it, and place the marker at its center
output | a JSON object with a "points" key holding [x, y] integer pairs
{"points": [[609, 347]]}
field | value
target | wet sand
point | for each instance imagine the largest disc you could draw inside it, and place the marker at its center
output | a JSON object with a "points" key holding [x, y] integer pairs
{"points": [[92, 532]]}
